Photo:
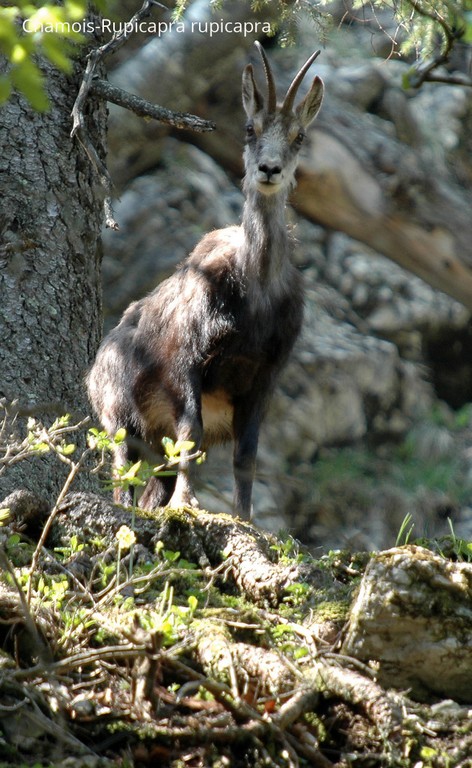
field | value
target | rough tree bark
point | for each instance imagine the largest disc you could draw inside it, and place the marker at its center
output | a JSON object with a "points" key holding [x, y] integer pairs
{"points": [[50, 298]]}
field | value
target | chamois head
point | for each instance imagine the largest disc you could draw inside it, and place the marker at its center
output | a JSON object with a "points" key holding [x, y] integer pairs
{"points": [[275, 133]]}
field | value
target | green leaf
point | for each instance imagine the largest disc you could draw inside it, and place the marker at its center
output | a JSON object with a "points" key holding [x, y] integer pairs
{"points": [[98, 439], [427, 753], [56, 49], [27, 78], [66, 449], [192, 603], [120, 436], [173, 450], [184, 445], [281, 629], [132, 471], [75, 9], [37, 445], [8, 31], [169, 447], [170, 556], [61, 421]]}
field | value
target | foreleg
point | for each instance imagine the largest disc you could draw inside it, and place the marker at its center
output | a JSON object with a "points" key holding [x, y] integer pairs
{"points": [[158, 492], [158, 489], [246, 425], [189, 427]]}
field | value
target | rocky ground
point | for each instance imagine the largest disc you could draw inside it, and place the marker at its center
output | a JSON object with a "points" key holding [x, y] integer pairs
{"points": [[188, 638]]}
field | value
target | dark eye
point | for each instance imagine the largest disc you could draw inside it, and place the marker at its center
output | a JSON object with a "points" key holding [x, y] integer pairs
{"points": [[250, 130], [300, 138]]}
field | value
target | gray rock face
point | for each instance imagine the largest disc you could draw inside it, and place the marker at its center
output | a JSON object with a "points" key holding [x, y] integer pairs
{"points": [[394, 304], [413, 618], [162, 216]]}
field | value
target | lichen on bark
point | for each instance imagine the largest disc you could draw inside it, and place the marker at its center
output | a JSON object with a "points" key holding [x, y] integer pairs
{"points": [[50, 255]]}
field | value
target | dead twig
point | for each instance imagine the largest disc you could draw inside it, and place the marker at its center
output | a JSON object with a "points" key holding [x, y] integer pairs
{"points": [[75, 468], [354, 688], [143, 108]]}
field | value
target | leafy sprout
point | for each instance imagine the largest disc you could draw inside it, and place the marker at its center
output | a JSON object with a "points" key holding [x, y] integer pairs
{"points": [[30, 28]]}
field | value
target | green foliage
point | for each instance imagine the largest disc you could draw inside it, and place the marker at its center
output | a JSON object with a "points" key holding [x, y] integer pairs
{"points": [[101, 441], [297, 594], [432, 757], [459, 548], [121, 648], [18, 551], [137, 474], [32, 27], [55, 31], [168, 620], [287, 549], [405, 532], [47, 28], [287, 640], [51, 590], [285, 20], [426, 27], [408, 465], [452, 547], [75, 546]]}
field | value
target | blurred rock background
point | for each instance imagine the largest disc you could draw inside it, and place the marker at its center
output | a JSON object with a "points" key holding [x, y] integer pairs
{"points": [[370, 420]]}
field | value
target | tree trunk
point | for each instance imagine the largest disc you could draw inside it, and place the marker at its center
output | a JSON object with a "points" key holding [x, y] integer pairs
{"points": [[50, 299]]}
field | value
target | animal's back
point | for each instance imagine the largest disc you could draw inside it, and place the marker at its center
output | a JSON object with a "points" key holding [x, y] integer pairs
{"points": [[200, 319]]}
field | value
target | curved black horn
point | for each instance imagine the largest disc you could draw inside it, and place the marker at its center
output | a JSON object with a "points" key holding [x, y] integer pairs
{"points": [[269, 77], [292, 91]]}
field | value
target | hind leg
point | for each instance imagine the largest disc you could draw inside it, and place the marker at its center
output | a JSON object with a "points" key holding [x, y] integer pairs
{"points": [[158, 492]]}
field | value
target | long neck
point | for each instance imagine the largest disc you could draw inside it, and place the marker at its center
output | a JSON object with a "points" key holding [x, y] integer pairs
{"points": [[264, 249]]}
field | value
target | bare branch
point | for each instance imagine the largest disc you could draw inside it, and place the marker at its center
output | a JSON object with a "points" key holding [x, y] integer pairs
{"points": [[143, 108], [79, 130], [456, 79], [106, 91]]}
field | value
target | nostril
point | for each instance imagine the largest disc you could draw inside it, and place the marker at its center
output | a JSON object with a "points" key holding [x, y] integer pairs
{"points": [[269, 170]]}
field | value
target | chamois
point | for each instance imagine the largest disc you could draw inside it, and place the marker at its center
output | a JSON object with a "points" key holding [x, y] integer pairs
{"points": [[197, 358]]}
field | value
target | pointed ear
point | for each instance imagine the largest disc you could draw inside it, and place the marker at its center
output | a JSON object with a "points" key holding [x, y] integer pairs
{"points": [[310, 106], [252, 99]]}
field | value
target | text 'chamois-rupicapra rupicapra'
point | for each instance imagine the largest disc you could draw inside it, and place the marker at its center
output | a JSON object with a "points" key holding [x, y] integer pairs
{"points": [[197, 358]]}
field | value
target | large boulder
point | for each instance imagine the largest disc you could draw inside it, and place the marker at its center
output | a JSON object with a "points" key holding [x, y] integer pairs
{"points": [[412, 620]]}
